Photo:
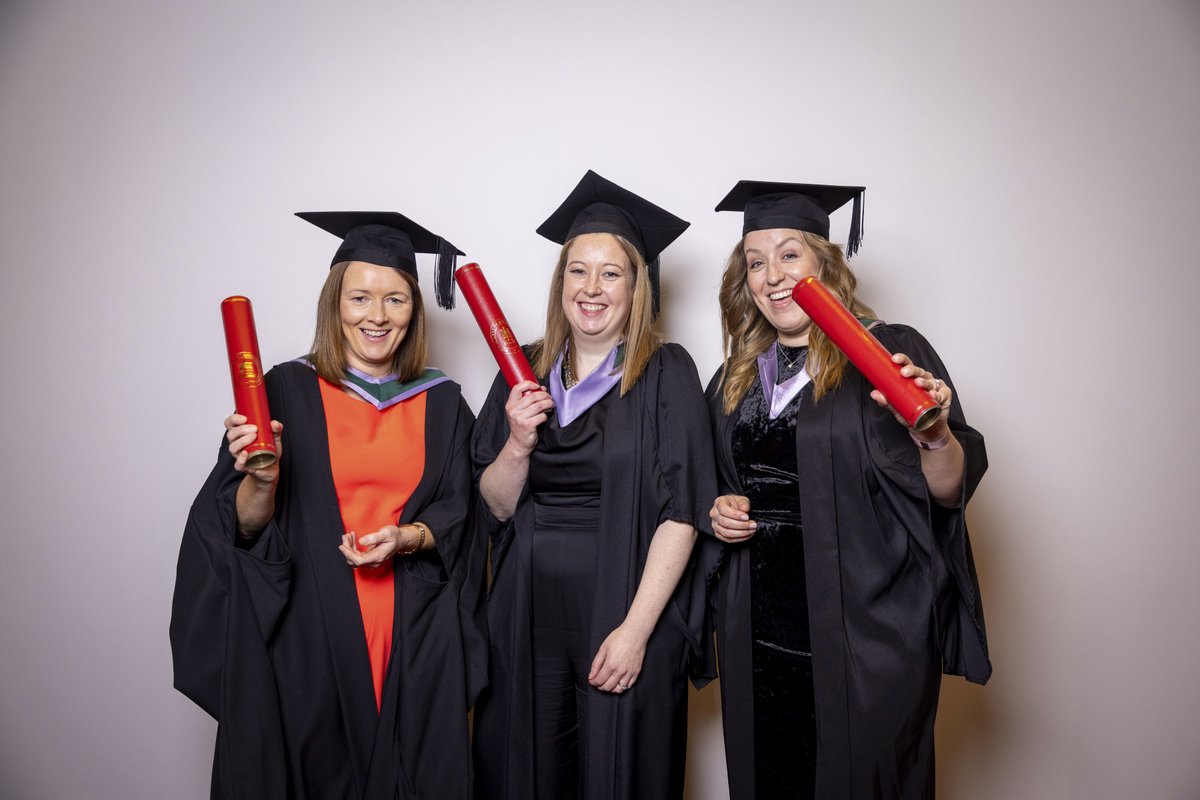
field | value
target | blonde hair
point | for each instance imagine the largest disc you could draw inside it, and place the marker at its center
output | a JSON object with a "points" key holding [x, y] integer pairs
{"points": [[746, 332], [641, 334], [329, 342]]}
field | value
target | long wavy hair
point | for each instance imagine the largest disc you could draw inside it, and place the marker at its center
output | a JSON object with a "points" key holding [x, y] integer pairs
{"points": [[329, 342], [746, 333], [642, 333]]}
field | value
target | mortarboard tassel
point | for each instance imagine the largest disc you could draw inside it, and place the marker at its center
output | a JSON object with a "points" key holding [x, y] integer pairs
{"points": [[856, 224], [655, 289], [447, 260]]}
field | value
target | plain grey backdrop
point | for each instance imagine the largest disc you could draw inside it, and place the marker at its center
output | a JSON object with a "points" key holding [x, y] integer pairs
{"points": [[1031, 170]]}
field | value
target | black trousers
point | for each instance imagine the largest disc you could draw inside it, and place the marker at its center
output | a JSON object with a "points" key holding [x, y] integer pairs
{"points": [[630, 745], [563, 584]]}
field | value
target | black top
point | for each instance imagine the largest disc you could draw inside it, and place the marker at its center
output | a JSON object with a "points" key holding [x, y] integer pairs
{"points": [[566, 462]]}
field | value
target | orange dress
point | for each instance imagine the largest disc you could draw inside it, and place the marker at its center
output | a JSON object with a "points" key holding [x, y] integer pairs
{"points": [[377, 459]]}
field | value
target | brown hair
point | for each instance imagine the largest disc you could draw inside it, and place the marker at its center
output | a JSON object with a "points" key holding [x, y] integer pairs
{"points": [[746, 332], [329, 343], [642, 336]]}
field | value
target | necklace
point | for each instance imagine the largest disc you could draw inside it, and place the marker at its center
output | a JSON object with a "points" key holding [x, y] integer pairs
{"points": [[568, 375], [789, 358]]}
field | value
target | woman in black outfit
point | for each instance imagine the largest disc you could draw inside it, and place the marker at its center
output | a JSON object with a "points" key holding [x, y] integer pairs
{"points": [[595, 614], [849, 585]]}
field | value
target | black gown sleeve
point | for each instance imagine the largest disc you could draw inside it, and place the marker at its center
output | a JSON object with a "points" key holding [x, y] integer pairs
{"points": [[685, 452], [230, 595], [688, 486], [216, 565], [958, 610], [487, 440], [491, 427]]}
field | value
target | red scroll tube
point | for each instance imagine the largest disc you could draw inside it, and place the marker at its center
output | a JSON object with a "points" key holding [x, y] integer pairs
{"points": [[499, 335], [245, 367], [865, 352]]}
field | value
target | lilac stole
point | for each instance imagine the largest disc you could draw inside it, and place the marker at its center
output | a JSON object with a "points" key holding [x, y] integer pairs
{"points": [[570, 404], [778, 397]]}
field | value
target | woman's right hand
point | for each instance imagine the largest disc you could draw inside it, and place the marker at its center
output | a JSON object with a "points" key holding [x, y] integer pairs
{"points": [[526, 409], [240, 435], [730, 517]]}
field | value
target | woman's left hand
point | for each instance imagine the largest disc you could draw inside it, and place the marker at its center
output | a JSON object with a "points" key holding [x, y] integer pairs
{"points": [[618, 662], [379, 546], [937, 389]]}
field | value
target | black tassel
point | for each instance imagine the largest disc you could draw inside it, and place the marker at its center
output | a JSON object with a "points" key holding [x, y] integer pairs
{"points": [[447, 260], [655, 289], [856, 224]]}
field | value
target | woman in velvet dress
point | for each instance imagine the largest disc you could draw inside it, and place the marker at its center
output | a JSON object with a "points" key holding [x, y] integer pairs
{"points": [[595, 613], [328, 609], [849, 584]]}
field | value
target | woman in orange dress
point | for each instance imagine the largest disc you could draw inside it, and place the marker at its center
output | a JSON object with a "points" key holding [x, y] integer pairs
{"points": [[328, 608]]}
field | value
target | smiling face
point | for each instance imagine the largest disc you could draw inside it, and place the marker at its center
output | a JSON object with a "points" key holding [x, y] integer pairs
{"points": [[376, 306], [776, 260], [597, 289]]}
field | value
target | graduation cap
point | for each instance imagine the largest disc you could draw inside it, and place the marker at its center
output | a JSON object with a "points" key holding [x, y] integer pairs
{"points": [[388, 239], [598, 205], [802, 206]]}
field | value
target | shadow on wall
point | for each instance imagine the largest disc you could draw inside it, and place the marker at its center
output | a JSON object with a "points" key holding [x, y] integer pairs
{"points": [[968, 714], [706, 778]]}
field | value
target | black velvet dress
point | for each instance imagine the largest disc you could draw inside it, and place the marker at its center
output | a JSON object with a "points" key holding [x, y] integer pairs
{"points": [[784, 721]]}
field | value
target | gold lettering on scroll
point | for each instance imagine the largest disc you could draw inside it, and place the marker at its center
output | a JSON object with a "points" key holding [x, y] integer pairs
{"points": [[503, 336], [248, 369]]}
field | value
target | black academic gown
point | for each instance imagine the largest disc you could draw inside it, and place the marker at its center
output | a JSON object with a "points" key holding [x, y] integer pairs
{"points": [[892, 594], [657, 465], [269, 640]]}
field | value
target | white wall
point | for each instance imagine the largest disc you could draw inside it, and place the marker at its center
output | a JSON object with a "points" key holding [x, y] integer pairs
{"points": [[1031, 169]]}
